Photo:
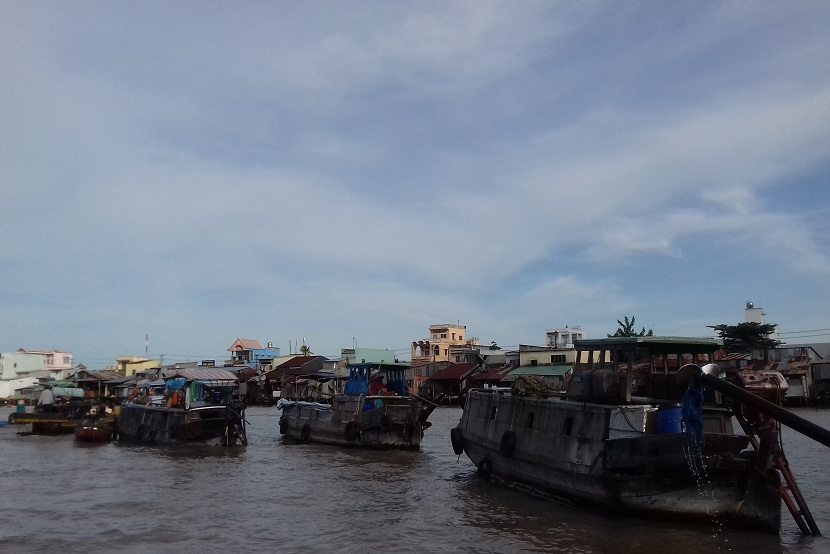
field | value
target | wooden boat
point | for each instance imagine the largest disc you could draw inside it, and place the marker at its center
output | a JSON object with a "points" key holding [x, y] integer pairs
{"points": [[200, 406], [93, 431], [59, 420], [614, 439], [359, 419]]}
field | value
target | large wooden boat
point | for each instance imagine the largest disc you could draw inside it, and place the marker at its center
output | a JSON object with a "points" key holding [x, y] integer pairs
{"points": [[356, 418], [614, 438], [198, 406]]}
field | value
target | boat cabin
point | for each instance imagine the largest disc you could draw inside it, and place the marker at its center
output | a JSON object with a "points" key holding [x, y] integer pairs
{"points": [[626, 370]]}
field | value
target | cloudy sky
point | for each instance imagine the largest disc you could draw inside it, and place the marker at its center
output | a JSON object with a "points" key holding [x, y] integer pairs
{"points": [[349, 171]]}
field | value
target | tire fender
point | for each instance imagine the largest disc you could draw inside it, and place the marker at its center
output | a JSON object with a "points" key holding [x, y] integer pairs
{"points": [[508, 444], [485, 468], [457, 439]]}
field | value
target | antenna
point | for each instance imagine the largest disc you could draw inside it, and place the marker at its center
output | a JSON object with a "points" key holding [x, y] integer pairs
{"points": [[146, 345]]}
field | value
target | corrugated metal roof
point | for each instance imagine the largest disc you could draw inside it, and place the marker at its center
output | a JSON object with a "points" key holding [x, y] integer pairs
{"points": [[454, 372], [491, 375], [102, 375], [202, 374], [296, 362]]}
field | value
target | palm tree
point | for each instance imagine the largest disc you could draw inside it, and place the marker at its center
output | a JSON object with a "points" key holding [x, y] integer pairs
{"points": [[305, 350], [626, 329]]}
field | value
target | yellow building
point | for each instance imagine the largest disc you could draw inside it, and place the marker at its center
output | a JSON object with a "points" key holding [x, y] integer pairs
{"points": [[446, 342], [130, 365]]}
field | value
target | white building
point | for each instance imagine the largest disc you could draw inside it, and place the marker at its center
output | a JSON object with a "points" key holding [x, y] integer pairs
{"points": [[20, 364], [563, 337]]}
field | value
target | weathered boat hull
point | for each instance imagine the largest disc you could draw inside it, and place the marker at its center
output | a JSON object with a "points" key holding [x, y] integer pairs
{"points": [[396, 424], [92, 433], [44, 423], [217, 425], [570, 450]]}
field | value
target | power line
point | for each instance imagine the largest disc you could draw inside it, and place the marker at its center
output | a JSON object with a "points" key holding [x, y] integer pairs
{"points": [[807, 336], [805, 331]]}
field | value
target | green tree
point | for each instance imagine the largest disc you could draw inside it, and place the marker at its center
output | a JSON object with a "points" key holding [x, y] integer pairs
{"points": [[305, 350], [626, 329], [746, 337]]}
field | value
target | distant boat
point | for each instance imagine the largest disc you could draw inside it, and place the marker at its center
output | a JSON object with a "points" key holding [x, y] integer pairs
{"points": [[199, 406], [394, 420], [614, 440]]}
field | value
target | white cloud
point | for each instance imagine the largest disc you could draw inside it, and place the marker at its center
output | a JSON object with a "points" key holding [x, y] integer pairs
{"points": [[371, 170]]}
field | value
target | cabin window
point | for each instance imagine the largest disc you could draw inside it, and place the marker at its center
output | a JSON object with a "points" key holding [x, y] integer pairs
{"points": [[529, 423], [568, 426]]}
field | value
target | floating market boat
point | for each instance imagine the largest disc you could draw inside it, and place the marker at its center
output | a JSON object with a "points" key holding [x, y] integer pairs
{"points": [[358, 418], [614, 438], [195, 406], [58, 418], [93, 431]]}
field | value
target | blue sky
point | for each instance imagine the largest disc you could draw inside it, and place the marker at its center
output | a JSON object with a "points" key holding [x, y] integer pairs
{"points": [[206, 171]]}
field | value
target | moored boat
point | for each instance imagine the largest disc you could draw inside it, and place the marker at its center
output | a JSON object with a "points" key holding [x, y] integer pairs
{"points": [[391, 420], [93, 431], [614, 438], [196, 406]]}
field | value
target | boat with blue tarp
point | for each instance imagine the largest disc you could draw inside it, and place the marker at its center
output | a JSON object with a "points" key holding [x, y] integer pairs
{"points": [[640, 429], [192, 405], [374, 410]]}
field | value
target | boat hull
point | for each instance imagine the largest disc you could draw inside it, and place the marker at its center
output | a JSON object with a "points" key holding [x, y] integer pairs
{"points": [[92, 433], [571, 451], [147, 424], [394, 424], [44, 423]]}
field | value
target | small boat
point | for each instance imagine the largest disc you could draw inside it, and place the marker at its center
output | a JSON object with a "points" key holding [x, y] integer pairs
{"points": [[356, 418], [93, 431], [627, 436], [197, 406]]}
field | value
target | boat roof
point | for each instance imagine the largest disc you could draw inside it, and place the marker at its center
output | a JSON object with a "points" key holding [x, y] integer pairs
{"points": [[202, 374], [656, 344]]}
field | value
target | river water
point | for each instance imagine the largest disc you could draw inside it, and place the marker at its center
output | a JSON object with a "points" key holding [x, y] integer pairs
{"points": [[59, 496]]}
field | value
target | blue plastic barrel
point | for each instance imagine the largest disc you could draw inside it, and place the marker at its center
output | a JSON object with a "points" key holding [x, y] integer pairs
{"points": [[668, 420]]}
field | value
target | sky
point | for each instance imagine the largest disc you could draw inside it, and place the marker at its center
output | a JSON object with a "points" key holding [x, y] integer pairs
{"points": [[352, 172]]}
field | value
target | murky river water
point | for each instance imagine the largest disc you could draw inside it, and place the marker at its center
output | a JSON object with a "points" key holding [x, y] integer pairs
{"points": [[58, 496]]}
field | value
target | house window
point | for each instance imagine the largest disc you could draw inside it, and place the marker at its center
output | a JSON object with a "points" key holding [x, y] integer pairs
{"points": [[529, 423], [458, 358], [443, 335], [557, 359], [453, 336], [460, 337], [446, 352], [534, 362]]}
